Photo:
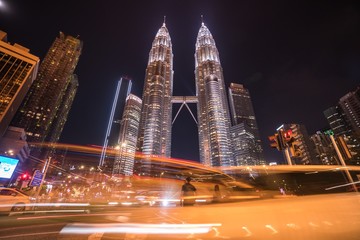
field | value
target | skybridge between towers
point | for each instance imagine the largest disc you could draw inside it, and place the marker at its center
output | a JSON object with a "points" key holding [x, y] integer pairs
{"points": [[184, 100]]}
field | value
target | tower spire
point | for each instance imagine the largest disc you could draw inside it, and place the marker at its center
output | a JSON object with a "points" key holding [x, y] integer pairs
{"points": [[202, 20], [164, 20]]}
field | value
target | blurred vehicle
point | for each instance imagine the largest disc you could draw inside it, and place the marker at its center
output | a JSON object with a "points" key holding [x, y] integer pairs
{"points": [[14, 200]]}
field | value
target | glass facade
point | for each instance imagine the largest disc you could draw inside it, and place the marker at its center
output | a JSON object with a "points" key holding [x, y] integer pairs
{"points": [[124, 160], [242, 112], [156, 113], [213, 113], [44, 111], [244, 145], [40, 108], [64, 109], [18, 69]]}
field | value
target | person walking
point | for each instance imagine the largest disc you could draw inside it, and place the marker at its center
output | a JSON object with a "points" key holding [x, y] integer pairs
{"points": [[217, 194], [188, 192]]}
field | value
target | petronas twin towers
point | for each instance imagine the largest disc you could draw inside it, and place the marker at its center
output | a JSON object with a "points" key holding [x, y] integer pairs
{"points": [[212, 108]]}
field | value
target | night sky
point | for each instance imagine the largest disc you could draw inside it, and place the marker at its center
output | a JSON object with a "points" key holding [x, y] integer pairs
{"points": [[297, 58]]}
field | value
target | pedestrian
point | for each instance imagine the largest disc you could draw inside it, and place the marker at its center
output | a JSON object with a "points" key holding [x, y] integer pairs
{"points": [[188, 192], [217, 194]]}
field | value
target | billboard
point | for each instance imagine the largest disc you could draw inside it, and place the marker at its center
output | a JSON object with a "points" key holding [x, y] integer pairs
{"points": [[7, 166]]}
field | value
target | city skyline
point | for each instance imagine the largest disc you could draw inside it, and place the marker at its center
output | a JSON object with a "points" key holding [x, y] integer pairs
{"points": [[294, 69]]}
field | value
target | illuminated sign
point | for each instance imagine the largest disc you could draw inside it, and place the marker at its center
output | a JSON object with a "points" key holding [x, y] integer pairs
{"points": [[7, 166]]}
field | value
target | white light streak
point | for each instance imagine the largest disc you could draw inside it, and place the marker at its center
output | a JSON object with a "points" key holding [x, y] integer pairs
{"points": [[328, 223], [74, 215], [343, 185], [313, 225], [79, 228], [274, 231], [248, 233], [282, 126], [293, 226]]}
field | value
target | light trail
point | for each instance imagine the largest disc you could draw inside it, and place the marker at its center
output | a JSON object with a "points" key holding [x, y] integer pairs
{"points": [[74, 215], [342, 185], [27, 235], [79, 228]]}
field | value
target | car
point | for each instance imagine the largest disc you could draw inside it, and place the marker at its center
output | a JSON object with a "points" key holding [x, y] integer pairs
{"points": [[14, 200]]}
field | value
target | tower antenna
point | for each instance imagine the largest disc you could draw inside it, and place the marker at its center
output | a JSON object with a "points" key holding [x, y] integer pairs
{"points": [[164, 20], [202, 20]]}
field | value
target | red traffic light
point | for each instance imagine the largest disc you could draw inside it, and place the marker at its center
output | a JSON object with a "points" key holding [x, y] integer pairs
{"points": [[288, 134], [25, 176]]}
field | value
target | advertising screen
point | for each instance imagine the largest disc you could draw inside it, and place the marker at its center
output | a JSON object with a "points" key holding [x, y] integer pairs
{"points": [[7, 166]]}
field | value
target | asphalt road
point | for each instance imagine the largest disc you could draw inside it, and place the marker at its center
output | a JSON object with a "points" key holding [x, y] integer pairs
{"points": [[330, 216]]}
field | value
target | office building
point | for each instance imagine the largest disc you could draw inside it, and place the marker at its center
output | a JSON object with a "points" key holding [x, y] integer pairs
{"points": [[129, 128], [244, 145], [344, 121], [64, 109], [212, 108], [336, 120], [350, 105], [156, 113], [18, 69], [324, 149], [41, 109], [242, 112]]}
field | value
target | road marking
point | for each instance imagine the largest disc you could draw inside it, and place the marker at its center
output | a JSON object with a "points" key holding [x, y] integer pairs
{"points": [[32, 226], [274, 231], [27, 234], [96, 236]]}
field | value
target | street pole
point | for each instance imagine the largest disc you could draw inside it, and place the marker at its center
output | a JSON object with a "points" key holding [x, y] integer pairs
{"points": [[343, 162], [46, 167], [287, 154]]}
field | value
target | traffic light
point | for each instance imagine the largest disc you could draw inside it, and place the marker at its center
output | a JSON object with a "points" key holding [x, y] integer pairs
{"points": [[25, 176], [275, 142], [295, 149], [288, 135], [290, 139]]}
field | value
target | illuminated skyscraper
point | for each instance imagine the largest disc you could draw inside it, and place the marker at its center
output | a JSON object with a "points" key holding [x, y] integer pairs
{"points": [[64, 109], [41, 109], [242, 112], [18, 69], [212, 109], [129, 127], [244, 145], [122, 91], [350, 105], [344, 120], [156, 114]]}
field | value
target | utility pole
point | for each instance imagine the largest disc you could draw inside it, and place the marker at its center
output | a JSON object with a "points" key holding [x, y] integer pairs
{"points": [[331, 135]]}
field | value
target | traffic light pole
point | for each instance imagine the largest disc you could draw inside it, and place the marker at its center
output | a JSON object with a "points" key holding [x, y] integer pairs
{"points": [[47, 164], [287, 154], [343, 162], [284, 146]]}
